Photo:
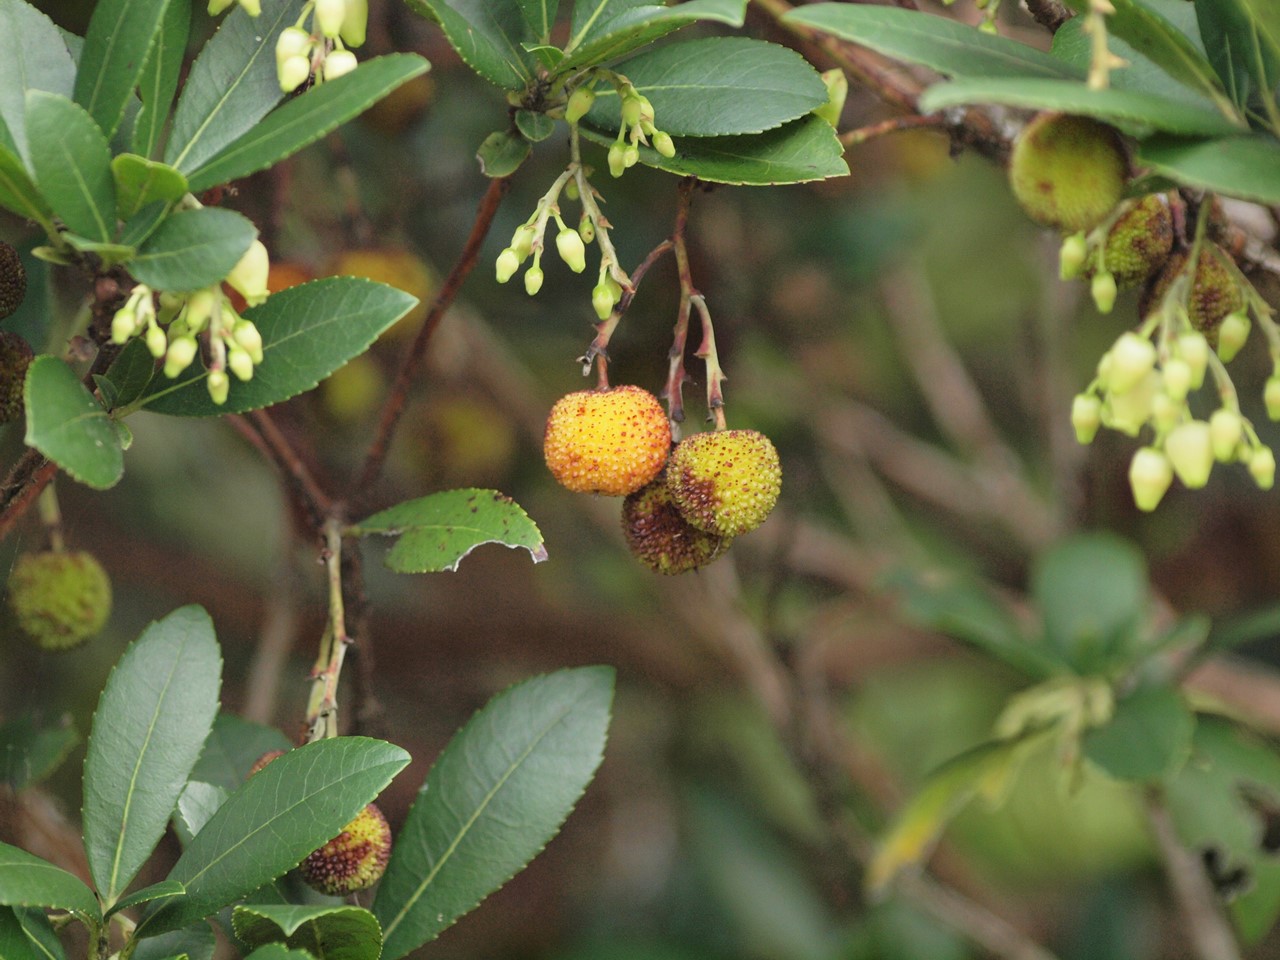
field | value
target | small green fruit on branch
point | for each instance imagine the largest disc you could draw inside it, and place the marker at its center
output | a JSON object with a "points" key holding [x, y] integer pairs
{"points": [[1067, 171]]}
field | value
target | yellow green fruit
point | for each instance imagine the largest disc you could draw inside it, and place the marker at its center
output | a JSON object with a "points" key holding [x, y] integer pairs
{"points": [[13, 280], [15, 357], [1140, 241], [60, 599], [1214, 291], [1067, 172], [660, 538], [354, 859], [725, 482], [396, 267], [611, 442]]}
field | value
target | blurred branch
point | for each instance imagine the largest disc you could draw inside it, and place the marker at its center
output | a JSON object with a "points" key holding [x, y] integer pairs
{"points": [[29, 476], [276, 637], [907, 121], [260, 429]]}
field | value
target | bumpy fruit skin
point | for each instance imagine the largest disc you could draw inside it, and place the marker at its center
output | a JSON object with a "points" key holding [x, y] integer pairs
{"points": [[611, 442], [663, 540], [725, 482], [15, 357], [1067, 171], [60, 600], [13, 280], [396, 267], [354, 859], [1139, 243], [1214, 291]]}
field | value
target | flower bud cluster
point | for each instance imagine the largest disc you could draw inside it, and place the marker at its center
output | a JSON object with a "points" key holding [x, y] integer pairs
{"points": [[322, 50], [171, 330], [637, 127]]}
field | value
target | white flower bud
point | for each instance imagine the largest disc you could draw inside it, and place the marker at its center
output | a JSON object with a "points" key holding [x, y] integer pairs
{"points": [[249, 275], [1262, 467], [1103, 289], [571, 249], [124, 324], [292, 42], [218, 384], [1232, 335], [1132, 358], [533, 278], [1193, 348], [1072, 255], [178, 357], [1271, 396], [157, 342], [338, 64], [1086, 417], [663, 144], [1189, 448], [1176, 375], [1129, 411], [603, 297], [293, 72], [249, 338], [200, 307], [1150, 475], [522, 241], [1166, 412], [1226, 430], [508, 264], [355, 23], [617, 159], [240, 363], [630, 155], [329, 15]]}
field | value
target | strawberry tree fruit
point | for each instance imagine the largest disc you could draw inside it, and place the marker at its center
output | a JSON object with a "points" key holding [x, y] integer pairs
{"points": [[663, 540], [725, 482], [13, 280], [15, 357], [1139, 242], [354, 859], [1215, 294], [59, 599], [611, 441], [1068, 172]]}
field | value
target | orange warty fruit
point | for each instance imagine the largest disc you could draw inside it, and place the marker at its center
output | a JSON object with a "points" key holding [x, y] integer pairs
{"points": [[354, 859], [607, 441]]}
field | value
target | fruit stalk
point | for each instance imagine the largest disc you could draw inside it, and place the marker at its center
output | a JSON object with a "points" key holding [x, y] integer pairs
{"points": [[673, 392], [707, 353], [599, 347]]}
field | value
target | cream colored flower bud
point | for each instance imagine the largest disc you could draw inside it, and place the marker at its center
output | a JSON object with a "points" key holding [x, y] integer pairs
{"points": [[522, 241], [1086, 417], [200, 307], [240, 363], [252, 7], [1271, 397], [533, 280], [249, 338], [663, 143], [1103, 290], [571, 249], [1150, 475], [157, 342], [1176, 375], [292, 42], [293, 73], [1232, 335], [329, 15], [249, 275], [617, 159], [182, 351], [1262, 467], [1072, 255], [355, 23], [1166, 412], [508, 264], [1193, 348], [631, 108], [1189, 447], [1132, 358], [630, 155], [1128, 412], [338, 64], [218, 384], [1226, 430], [124, 324], [579, 104], [603, 297]]}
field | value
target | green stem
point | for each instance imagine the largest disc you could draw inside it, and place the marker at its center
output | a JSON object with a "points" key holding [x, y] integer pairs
{"points": [[322, 706]]}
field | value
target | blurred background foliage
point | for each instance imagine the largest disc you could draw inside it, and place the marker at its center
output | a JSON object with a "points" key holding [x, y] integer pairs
{"points": [[902, 337]]}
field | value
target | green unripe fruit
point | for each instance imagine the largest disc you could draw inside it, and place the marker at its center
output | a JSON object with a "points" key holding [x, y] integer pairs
{"points": [[1068, 172], [354, 859], [15, 357], [1214, 291], [13, 280], [1139, 243], [660, 538], [60, 600], [725, 482]]}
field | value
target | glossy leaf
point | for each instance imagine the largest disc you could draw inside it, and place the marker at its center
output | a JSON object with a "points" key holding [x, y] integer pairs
{"points": [[438, 531], [274, 820], [539, 16], [1247, 167], [798, 152], [193, 249], [196, 806], [32, 57], [1148, 738], [495, 797], [26, 935], [164, 890], [28, 881], [304, 120], [30, 752], [603, 30], [117, 44], [231, 86], [328, 933], [717, 86], [72, 164], [936, 42], [233, 747], [67, 425], [486, 34], [1237, 51], [534, 127], [1073, 45], [138, 228], [152, 720], [19, 194], [1117, 106], [501, 153], [140, 182], [308, 331], [128, 375], [159, 80], [195, 942], [276, 951]]}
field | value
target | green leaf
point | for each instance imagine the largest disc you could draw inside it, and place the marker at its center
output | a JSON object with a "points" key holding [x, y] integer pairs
{"points": [[140, 182], [117, 44], [67, 425], [717, 86], [501, 153], [1074, 46], [164, 890], [1093, 592], [28, 881], [534, 127], [193, 249], [605, 29], [232, 749], [1117, 106], [797, 152], [32, 57], [438, 531], [145, 222], [486, 34], [1247, 167], [937, 42], [231, 86], [1243, 60], [196, 806], [308, 331], [159, 80], [111, 254], [18, 193], [304, 120], [128, 375], [495, 797], [276, 951], [967, 611], [539, 16], [195, 942], [151, 722], [26, 935], [30, 752], [72, 164], [1148, 738], [274, 820], [329, 933]]}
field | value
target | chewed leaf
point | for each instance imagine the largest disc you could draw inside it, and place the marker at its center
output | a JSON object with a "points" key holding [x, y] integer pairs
{"points": [[438, 531]]}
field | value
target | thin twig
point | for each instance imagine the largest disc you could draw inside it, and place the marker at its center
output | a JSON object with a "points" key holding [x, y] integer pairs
{"points": [[598, 351], [673, 392], [302, 486], [322, 707], [907, 121], [398, 397], [30, 475]]}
